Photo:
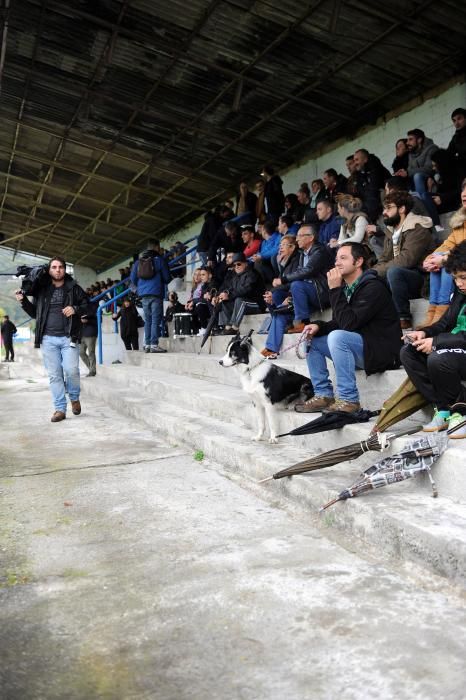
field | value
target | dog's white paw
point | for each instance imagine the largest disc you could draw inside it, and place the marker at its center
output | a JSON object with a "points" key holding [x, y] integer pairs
{"points": [[258, 437], [273, 440]]}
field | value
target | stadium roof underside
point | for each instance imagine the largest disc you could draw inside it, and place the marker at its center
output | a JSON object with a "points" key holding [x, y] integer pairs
{"points": [[122, 120]]}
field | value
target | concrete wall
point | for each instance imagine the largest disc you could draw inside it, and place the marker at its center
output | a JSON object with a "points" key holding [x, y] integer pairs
{"points": [[430, 112], [85, 276]]}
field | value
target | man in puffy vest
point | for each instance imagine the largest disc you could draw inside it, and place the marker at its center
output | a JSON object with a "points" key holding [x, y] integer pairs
{"points": [[149, 275]]}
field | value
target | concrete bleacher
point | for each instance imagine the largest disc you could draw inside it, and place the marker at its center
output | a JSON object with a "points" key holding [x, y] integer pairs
{"points": [[191, 399]]}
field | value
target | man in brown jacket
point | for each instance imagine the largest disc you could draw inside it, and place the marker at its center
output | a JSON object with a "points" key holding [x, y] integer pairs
{"points": [[407, 242]]}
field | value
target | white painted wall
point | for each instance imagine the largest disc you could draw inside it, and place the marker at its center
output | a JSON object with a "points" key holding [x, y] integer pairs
{"points": [[432, 114], [85, 276]]}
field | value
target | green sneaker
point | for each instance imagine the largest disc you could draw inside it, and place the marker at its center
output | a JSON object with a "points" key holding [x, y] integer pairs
{"points": [[454, 420], [437, 423]]}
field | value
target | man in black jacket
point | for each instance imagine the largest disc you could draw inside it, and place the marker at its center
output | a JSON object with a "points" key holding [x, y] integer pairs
{"points": [[244, 296], [89, 339], [8, 329], [308, 282], [435, 356], [371, 178], [59, 302], [364, 332]]}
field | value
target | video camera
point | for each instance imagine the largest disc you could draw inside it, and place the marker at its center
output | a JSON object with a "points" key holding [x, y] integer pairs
{"points": [[33, 278]]}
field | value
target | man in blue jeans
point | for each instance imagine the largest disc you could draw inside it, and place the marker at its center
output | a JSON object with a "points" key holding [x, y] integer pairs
{"points": [[364, 333], [150, 280], [59, 302]]}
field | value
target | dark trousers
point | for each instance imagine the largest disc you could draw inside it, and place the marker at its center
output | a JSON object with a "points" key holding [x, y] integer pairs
{"points": [[9, 351], [437, 376], [131, 341], [405, 284]]}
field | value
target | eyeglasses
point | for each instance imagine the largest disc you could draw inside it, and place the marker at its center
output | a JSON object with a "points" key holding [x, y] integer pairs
{"points": [[303, 235], [238, 264]]}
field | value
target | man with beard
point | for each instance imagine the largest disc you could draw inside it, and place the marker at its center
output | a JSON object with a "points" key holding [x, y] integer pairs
{"points": [[407, 242], [420, 149]]}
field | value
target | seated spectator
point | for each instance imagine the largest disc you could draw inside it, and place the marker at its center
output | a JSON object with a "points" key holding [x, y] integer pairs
{"points": [[371, 176], [446, 188], [435, 359], [202, 308], [303, 196], [420, 159], [308, 283], [274, 197], [292, 206], [196, 289], [228, 239], [174, 306], [269, 247], [402, 157], [129, 324], [223, 271], [329, 228], [334, 184], [457, 145], [408, 241], [244, 296], [352, 179], [441, 283], [250, 241], [286, 226], [261, 214], [279, 301], [364, 333], [353, 228], [246, 203], [317, 195]]}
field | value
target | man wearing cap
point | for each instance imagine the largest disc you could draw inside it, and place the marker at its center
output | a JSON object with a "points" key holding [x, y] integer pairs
{"points": [[244, 296]]}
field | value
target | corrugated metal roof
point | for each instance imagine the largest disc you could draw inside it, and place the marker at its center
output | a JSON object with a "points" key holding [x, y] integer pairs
{"points": [[118, 117]]}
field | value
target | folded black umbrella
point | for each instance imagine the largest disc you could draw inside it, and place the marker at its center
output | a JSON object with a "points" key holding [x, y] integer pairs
{"points": [[332, 420], [212, 322]]}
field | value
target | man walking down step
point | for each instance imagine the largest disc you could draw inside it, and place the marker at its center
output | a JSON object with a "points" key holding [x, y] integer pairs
{"points": [[8, 329], [58, 304], [149, 275], [364, 333]]}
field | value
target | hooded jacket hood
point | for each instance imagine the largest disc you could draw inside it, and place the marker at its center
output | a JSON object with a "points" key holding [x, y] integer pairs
{"points": [[458, 218], [412, 220]]}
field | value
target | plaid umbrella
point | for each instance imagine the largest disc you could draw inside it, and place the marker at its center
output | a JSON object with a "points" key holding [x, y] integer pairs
{"points": [[379, 442], [405, 401], [417, 457], [332, 420]]}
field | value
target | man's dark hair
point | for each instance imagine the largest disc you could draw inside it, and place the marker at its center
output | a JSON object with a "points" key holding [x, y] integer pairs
{"points": [[153, 243], [287, 220], [327, 203], [313, 228], [398, 183], [418, 133], [6, 317], [400, 199], [364, 151], [269, 227], [456, 261], [458, 111], [357, 251], [350, 157], [231, 226], [331, 172], [405, 141], [60, 260], [304, 187], [268, 170], [319, 182]]}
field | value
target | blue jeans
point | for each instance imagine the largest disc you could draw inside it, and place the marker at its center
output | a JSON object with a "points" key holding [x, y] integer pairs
{"points": [[346, 350], [306, 299], [441, 287], [153, 312], [62, 364], [420, 185], [405, 284], [279, 322]]}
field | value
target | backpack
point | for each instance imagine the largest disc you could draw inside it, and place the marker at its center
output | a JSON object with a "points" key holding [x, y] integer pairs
{"points": [[146, 270]]}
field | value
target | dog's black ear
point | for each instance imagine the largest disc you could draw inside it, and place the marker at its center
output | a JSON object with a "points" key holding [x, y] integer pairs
{"points": [[247, 338]]}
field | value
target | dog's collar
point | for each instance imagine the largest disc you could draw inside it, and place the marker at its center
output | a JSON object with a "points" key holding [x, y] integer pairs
{"points": [[249, 369]]}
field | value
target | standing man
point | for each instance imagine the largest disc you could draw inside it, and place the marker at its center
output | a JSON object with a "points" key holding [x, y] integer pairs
{"points": [[149, 275], [8, 329], [457, 146], [364, 333], [89, 339], [59, 302]]}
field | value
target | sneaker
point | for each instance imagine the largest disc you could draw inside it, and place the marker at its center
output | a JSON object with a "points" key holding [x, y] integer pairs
{"points": [[146, 348], [454, 420], [156, 348], [437, 423], [76, 407], [345, 406], [269, 354], [58, 416], [314, 405]]}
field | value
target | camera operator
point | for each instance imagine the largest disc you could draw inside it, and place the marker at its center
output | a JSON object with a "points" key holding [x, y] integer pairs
{"points": [[58, 304]]}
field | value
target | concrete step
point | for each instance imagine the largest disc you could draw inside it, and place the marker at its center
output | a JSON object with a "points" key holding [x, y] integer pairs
{"points": [[403, 520]]}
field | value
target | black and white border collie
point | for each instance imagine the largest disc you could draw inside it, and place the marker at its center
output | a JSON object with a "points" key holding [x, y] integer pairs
{"points": [[267, 384]]}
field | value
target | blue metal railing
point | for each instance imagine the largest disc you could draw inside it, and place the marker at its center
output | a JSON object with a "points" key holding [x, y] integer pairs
{"points": [[99, 320]]}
